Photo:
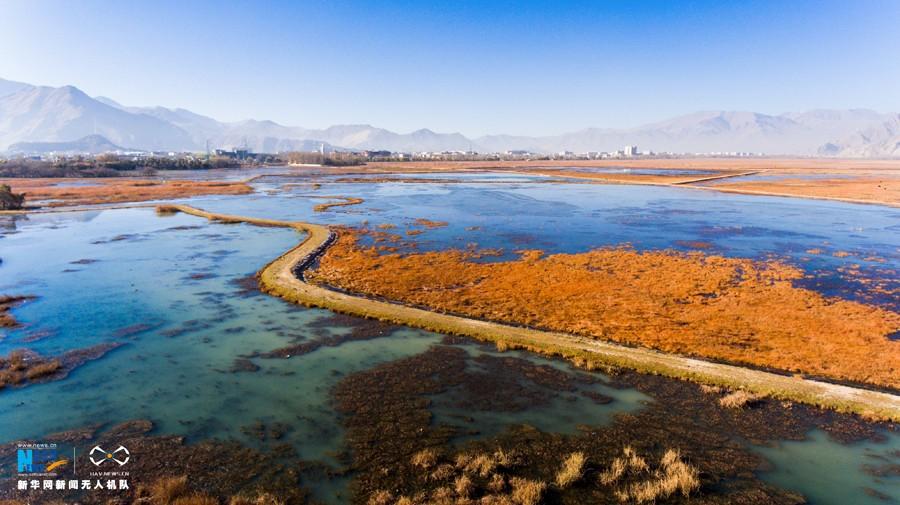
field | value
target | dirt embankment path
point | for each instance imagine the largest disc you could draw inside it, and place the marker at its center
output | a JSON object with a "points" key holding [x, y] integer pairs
{"points": [[283, 277]]}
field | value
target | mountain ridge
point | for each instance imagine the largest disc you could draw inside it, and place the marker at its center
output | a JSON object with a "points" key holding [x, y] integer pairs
{"points": [[91, 144], [42, 114]]}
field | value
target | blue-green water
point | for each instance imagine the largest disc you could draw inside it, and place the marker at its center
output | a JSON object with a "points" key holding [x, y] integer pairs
{"points": [[828, 472], [175, 276], [165, 287]]}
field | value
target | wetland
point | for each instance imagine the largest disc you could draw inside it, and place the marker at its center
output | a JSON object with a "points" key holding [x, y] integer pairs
{"points": [[164, 343]]}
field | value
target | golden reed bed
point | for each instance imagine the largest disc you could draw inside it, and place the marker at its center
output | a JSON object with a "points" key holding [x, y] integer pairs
{"points": [[730, 309]]}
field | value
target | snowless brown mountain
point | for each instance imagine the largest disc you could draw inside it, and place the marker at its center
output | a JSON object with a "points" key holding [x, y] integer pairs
{"points": [[33, 116]]}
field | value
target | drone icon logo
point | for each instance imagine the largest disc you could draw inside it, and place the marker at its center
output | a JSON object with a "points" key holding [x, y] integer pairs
{"points": [[99, 455]]}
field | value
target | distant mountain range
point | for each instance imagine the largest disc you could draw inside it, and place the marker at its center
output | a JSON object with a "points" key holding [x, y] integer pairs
{"points": [[90, 144], [43, 119]]}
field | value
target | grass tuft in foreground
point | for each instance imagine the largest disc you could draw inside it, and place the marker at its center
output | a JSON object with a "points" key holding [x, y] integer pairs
{"points": [[636, 482], [738, 399], [572, 470]]}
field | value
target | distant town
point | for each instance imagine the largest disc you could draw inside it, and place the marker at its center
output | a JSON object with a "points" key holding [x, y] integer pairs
{"points": [[73, 163]]}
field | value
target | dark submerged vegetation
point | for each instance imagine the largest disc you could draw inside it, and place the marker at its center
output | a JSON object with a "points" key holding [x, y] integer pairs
{"points": [[683, 446], [19, 367], [10, 200], [23, 367], [7, 302]]}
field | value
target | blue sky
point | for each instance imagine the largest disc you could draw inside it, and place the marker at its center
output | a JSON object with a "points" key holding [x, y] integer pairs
{"points": [[475, 67]]}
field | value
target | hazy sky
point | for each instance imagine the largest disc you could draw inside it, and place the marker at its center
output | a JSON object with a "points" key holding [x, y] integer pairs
{"points": [[474, 67]]}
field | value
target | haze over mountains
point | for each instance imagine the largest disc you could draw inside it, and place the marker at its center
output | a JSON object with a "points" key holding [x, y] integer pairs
{"points": [[43, 119]]}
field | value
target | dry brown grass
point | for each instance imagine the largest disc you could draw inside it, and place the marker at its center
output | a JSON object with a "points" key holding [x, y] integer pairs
{"points": [[442, 494], [381, 497], [260, 499], [443, 472], [673, 476], [121, 190], [344, 201], [738, 399], [571, 471], [639, 483], [427, 223], [195, 499], [7, 302], [481, 465], [16, 361], [883, 189], [463, 486], [16, 369], [426, 458], [526, 492], [710, 390], [462, 460], [503, 458], [630, 463], [167, 489], [739, 310], [9, 378], [497, 499], [43, 369], [497, 484]]}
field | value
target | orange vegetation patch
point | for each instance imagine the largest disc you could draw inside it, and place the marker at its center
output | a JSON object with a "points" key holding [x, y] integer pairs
{"points": [[883, 189], [19, 367], [6, 304], [732, 309], [100, 191], [694, 244], [427, 223], [344, 201]]}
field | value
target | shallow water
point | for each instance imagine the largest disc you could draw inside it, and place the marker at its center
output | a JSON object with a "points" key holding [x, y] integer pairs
{"points": [[828, 472], [563, 413], [176, 274]]}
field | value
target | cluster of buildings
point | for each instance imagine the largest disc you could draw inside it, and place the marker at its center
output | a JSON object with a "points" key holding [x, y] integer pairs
{"points": [[323, 155], [627, 152], [235, 153], [630, 151]]}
